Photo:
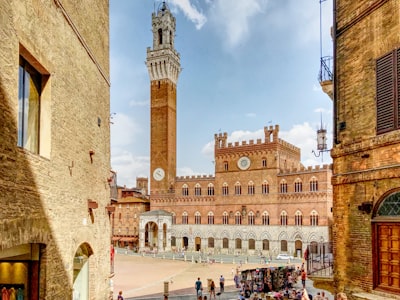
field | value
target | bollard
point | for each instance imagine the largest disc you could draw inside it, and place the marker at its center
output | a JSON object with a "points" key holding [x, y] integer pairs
{"points": [[166, 288]]}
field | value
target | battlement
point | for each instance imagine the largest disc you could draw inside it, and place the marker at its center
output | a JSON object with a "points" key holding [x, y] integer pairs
{"points": [[308, 169], [288, 145], [197, 177]]}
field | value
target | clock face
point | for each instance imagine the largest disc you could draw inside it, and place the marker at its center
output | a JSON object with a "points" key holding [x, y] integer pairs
{"points": [[158, 174], [243, 163]]}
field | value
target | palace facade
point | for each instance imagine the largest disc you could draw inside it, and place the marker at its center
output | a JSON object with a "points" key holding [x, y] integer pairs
{"points": [[261, 198]]}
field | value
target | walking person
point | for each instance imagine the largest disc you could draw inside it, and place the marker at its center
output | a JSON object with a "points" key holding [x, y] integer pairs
{"points": [[221, 283], [212, 290], [120, 296], [198, 286], [303, 278]]}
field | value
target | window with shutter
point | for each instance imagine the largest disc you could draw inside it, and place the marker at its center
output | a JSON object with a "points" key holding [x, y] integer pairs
{"points": [[387, 92]]}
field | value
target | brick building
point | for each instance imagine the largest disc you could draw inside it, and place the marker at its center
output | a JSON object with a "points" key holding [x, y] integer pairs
{"points": [[260, 200], [54, 149], [366, 160]]}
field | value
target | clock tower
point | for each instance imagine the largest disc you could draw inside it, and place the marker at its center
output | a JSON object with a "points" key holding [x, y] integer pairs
{"points": [[163, 64]]}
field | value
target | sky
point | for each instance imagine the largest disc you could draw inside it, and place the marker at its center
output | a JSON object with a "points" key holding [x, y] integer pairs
{"points": [[246, 64]]}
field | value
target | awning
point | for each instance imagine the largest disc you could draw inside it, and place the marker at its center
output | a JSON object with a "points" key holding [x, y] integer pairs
{"points": [[115, 238], [128, 239]]}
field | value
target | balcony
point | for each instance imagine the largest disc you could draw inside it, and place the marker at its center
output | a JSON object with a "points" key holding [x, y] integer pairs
{"points": [[325, 76]]}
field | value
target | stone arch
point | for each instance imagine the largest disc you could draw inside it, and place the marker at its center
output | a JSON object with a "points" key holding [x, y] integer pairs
{"points": [[81, 271]]}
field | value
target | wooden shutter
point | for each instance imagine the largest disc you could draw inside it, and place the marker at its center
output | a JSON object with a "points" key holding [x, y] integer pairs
{"points": [[385, 93]]}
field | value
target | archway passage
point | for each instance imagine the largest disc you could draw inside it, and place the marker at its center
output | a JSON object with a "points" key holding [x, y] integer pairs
{"points": [[81, 272], [386, 237], [198, 243], [151, 235], [298, 245], [185, 242]]}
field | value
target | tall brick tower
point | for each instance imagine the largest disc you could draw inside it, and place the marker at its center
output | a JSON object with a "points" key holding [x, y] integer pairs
{"points": [[163, 63]]}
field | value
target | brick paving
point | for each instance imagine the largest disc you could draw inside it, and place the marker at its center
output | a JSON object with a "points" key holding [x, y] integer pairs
{"points": [[143, 277]]}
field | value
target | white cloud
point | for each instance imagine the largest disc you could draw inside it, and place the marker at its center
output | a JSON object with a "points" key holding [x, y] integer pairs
{"points": [[129, 167], [191, 12], [233, 18], [123, 130]]}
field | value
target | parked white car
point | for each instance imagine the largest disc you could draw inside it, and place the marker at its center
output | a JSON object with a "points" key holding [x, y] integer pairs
{"points": [[284, 256]]}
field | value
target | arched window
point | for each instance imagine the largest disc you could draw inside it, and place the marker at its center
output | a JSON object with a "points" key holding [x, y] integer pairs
{"points": [[238, 188], [185, 190], [283, 187], [250, 188], [283, 218], [210, 217], [313, 185], [265, 188], [238, 243], [238, 218], [265, 218], [298, 186], [250, 218], [197, 189], [160, 41], [225, 218], [173, 241], [314, 218], [298, 218], [225, 189], [226, 166], [197, 218], [264, 162], [185, 218], [210, 189]]}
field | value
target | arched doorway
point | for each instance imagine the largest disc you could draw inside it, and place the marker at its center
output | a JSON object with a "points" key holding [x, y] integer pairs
{"points": [[81, 272], [151, 235], [386, 237], [298, 246], [185, 242]]}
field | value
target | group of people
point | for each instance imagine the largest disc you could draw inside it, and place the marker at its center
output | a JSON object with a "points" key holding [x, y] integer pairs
{"points": [[198, 285]]}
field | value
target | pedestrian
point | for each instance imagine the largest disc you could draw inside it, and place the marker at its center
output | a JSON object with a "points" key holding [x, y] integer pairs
{"points": [[212, 289], [303, 278], [323, 297], [198, 286], [221, 283], [120, 296], [165, 297], [304, 296]]}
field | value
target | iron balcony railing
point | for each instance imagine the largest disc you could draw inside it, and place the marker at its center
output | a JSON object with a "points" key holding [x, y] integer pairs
{"points": [[325, 71], [319, 259]]}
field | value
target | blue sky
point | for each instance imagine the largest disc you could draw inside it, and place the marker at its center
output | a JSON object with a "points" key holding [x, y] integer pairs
{"points": [[245, 64]]}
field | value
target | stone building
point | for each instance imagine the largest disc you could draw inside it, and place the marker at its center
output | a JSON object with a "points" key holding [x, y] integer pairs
{"points": [[261, 198], [55, 149], [366, 150]]}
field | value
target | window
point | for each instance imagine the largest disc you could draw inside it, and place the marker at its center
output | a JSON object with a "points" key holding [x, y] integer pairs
{"points": [[29, 93], [264, 162], [298, 218], [250, 188], [284, 218], [238, 218], [197, 190], [265, 188], [313, 185], [210, 242], [210, 189], [265, 218], [173, 241], [225, 190], [283, 187], [298, 186], [238, 244], [387, 92], [210, 218], [250, 218], [225, 218], [185, 190], [284, 246], [160, 36], [314, 218], [185, 218], [225, 165], [197, 218], [238, 188]]}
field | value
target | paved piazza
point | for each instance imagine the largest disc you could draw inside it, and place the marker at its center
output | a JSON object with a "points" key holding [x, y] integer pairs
{"points": [[144, 276]]}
